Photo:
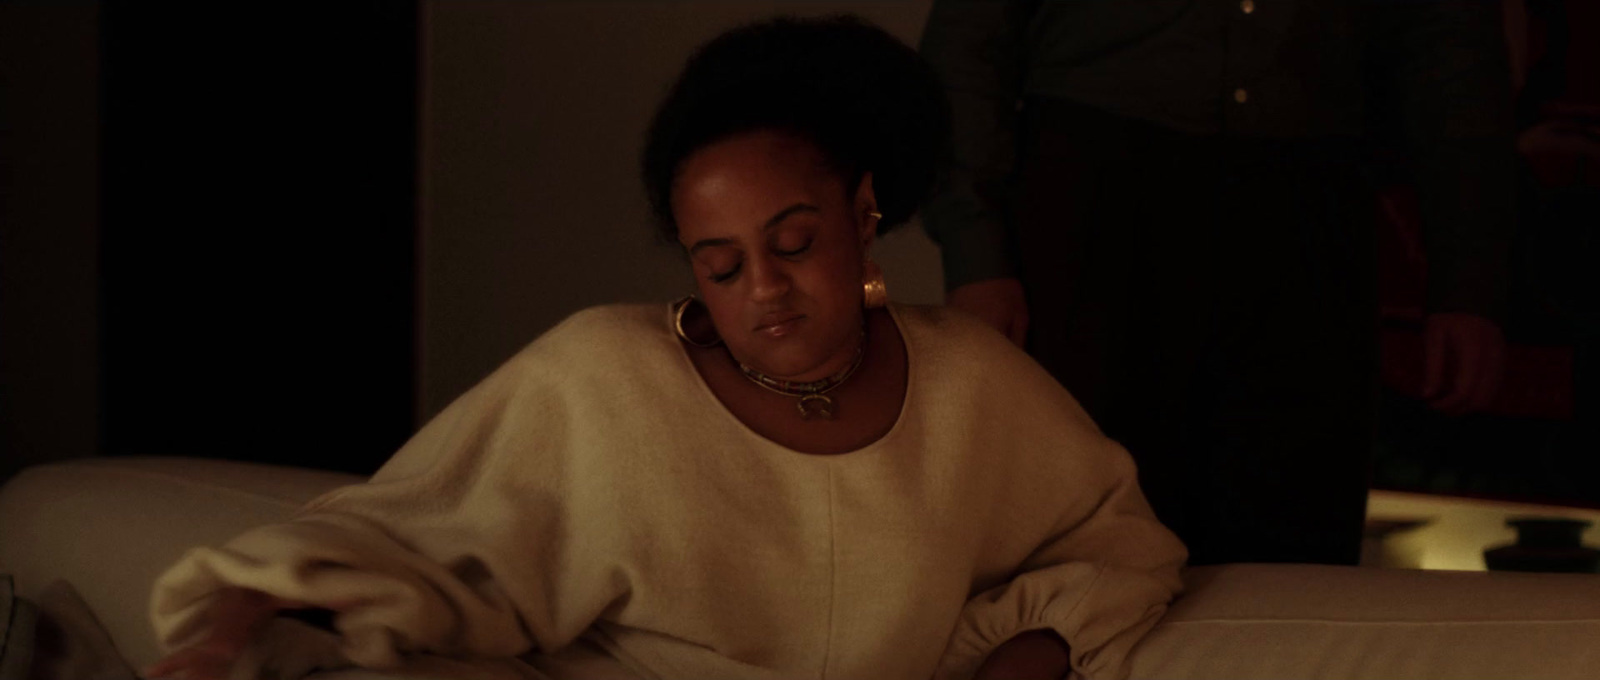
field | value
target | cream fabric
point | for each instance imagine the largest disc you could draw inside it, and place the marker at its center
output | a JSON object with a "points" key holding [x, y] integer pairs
{"points": [[593, 488], [1265, 622], [111, 525]]}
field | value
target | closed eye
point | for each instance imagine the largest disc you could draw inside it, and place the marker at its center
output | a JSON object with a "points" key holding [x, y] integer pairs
{"points": [[724, 277], [796, 251]]}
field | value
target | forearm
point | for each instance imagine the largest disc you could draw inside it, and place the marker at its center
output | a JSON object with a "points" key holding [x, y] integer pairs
{"points": [[976, 48]]}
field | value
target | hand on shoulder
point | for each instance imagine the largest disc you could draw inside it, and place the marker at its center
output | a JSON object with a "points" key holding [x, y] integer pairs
{"points": [[1000, 303]]}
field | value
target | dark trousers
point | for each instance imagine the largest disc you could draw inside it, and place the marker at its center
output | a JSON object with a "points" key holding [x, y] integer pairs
{"points": [[1211, 302]]}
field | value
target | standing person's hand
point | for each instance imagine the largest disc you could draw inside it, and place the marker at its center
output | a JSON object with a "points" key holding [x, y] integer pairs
{"points": [[998, 302], [1464, 360], [236, 617]]}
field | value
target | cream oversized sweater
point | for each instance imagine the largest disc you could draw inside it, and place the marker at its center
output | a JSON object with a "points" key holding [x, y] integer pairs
{"points": [[593, 490]]}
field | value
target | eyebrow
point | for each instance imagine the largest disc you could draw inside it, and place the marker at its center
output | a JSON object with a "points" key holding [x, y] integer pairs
{"points": [[773, 221]]}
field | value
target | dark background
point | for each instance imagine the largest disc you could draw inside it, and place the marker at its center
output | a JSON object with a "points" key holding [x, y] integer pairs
{"points": [[1541, 438], [244, 177], [256, 231]]}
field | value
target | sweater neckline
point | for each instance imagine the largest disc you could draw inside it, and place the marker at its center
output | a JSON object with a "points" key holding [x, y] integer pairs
{"points": [[716, 404]]}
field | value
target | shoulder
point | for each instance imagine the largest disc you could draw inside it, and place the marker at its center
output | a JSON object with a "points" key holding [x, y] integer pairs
{"points": [[591, 344], [615, 322], [954, 340], [597, 361], [962, 360], [602, 331]]}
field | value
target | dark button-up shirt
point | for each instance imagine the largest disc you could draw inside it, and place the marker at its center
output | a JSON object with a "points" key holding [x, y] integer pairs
{"points": [[1432, 73]]}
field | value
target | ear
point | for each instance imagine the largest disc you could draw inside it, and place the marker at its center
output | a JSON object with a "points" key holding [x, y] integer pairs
{"points": [[866, 202]]}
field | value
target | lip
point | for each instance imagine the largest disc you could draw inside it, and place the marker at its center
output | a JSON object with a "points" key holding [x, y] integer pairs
{"points": [[779, 325]]}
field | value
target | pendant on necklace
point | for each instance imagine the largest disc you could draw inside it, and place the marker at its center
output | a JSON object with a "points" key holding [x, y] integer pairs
{"points": [[816, 406], [814, 402]]}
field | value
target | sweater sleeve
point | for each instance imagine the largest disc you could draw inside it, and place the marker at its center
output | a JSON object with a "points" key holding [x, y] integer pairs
{"points": [[1101, 581], [454, 548]]}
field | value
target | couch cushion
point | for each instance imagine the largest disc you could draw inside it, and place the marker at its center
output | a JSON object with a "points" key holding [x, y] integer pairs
{"points": [[109, 526], [1247, 621]]}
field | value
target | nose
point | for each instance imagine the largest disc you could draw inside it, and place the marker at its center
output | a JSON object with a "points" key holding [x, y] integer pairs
{"points": [[769, 281]]}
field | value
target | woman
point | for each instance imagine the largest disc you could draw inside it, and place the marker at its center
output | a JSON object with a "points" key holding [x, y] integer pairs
{"points": [[781, 478]]}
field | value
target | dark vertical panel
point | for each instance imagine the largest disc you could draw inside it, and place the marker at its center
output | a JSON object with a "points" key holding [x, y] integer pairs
{"points": [[258, 230], [48, 226]]}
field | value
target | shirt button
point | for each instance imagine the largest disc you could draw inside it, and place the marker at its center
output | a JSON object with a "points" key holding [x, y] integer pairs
{"points": [[1241, 96], [1247, 6]]}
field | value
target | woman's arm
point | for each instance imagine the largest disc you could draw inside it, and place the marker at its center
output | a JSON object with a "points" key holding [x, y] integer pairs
{"points": [[431, 556], [1100, 578]]}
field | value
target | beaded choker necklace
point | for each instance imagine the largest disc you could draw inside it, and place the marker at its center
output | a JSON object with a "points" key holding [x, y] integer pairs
{"points": [[814, 402]]}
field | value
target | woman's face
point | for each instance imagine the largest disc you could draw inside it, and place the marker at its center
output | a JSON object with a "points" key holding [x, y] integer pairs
{"points": [[777, 244]]}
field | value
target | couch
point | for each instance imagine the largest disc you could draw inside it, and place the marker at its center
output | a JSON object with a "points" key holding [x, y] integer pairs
{"points": [[108, 526]]}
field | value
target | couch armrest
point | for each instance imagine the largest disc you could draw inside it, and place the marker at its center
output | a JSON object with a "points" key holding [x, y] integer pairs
{"points": [[109, 526], [1247, 621]]}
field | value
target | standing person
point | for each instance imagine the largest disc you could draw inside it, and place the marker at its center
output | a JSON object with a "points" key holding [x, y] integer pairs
{"points": [[1164, 200]]}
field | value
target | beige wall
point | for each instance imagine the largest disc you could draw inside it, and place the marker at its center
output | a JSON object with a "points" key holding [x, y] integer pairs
{"points": [[49, 357], [533, 114]]}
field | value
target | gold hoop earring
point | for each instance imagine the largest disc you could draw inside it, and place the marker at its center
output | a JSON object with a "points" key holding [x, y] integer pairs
{"points": [[677, 323], [874, 292]]}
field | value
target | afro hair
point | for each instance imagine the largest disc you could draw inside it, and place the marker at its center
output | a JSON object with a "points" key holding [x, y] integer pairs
{"points": [[867, 101]]}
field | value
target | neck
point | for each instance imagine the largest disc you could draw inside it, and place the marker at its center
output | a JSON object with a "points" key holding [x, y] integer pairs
{"points": [[838, 362]]}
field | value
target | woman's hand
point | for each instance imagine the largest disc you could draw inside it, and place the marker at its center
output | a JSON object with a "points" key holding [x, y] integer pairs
{"points": [[235, 617], [1035, 654]]}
